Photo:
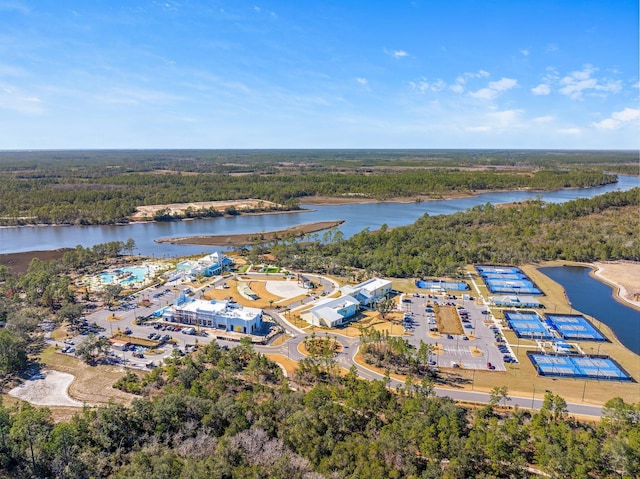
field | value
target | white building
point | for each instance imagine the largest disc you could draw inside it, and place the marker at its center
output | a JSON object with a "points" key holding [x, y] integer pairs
{"points": [[210, 265], [512, 301], [368, 292], [215, 314], [331, 312]]}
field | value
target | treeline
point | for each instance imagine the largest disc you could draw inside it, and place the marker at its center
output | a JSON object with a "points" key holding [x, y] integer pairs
{"points": [[35, 197], [97, 163], [231, 414], [598, 229]]}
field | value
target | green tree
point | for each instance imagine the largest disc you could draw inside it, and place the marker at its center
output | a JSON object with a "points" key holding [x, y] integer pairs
{"points": [[110, 293], [30, 432], [13, 357]]}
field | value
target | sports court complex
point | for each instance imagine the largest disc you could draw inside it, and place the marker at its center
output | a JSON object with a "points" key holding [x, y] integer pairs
{"points": [[555, 326], [442, 285], [527, 325], [576, 327], [507, 279], [578, 367]]}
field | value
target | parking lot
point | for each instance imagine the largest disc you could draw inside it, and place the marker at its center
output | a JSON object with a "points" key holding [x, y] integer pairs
{"points": [[140, 305], [481, 346]]}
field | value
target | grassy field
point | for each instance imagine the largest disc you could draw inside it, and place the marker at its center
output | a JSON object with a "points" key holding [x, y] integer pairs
{"points": [[447, 320]]}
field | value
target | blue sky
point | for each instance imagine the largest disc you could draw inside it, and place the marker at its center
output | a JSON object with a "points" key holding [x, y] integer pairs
{"points": [[311, 74]]}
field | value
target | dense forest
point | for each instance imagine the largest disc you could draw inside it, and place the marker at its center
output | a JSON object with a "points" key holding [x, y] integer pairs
{"points": [[598, 229], [106, 187], [231, 414]]}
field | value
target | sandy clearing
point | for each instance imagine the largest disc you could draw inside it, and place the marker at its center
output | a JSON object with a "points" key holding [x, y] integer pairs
{"points": [[623, 275], [285, 289], [147, 211], [47, 389]]}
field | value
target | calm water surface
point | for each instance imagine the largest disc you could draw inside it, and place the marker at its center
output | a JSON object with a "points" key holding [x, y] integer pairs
{"points": [[356, 217], [592, 297]]}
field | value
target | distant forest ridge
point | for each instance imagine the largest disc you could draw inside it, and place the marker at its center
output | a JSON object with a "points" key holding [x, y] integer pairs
{"points": [[106, 186], [137, 160]]}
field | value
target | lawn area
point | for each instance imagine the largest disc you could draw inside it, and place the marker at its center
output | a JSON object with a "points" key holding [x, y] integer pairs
{"points": [[447, 320]]}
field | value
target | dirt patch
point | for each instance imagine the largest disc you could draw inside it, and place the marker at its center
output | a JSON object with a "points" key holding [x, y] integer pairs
{"points": [[447, 320], [49, 388], [250, 238]]}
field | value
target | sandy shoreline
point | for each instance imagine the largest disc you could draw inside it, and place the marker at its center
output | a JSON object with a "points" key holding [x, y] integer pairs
{"points": [[623, 277]]}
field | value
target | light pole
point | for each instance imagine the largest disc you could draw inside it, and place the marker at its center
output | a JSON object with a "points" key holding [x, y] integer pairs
{"points": [[533, 396]]}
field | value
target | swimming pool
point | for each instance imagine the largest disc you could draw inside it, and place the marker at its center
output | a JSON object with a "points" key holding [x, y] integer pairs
{"points": [[126, 275]]}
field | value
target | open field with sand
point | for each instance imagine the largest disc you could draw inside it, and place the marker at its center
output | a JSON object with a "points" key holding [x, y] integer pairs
{"points": [[147, 212], [48, 388], [623, 276]]}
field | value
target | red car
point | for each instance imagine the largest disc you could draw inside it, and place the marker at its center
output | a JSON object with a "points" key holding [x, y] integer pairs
{"points": [[490, 366]]}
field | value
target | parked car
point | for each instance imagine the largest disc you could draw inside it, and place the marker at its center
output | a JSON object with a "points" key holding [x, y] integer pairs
{"points": [[490, 366]]}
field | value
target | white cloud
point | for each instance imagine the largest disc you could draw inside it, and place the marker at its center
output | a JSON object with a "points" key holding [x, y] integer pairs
{"points": [[618, 119], [458, 86], [396, 53], [628, 114], [484, 94], [503, 84], [608, 124], [14, 99], [524, 51], [424, 85], [256, 9], [362, 81], [544, 119], [577, 82], [569, 131], [542, 89], [497, 121], [494, 88]]}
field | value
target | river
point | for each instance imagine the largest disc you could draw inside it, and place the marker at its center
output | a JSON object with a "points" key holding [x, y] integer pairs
{"points": [[356, 216], [592, 297]]}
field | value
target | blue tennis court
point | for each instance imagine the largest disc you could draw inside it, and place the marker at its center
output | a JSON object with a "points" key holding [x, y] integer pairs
{"points": [[506, 276], [497, 270], [579, 367], [576, 327], [527, 325], [442, 285], [507, 280], [517, 286]]}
